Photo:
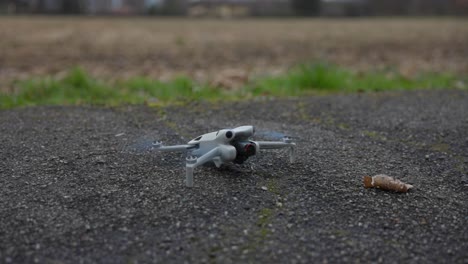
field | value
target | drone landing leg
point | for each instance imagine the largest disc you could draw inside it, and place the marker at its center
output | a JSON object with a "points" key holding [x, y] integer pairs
{"points": [[189, 167], [292, 153], [189, 176], [192, 162]]}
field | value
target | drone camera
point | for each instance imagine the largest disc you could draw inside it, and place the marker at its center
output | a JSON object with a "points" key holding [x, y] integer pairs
{"points": [[249, 149], [244, 151]]}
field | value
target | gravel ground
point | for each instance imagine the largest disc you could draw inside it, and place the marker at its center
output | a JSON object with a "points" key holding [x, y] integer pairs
{"points": [[77, 184]]}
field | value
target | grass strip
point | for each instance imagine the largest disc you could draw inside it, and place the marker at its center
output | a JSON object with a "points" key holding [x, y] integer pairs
{"points": [[78, 87]]}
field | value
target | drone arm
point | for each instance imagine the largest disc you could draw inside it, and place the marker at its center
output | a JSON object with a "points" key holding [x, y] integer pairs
{"points": [[207, 157], [193, 162], [174, 148], [273, 144], [278, 145]]}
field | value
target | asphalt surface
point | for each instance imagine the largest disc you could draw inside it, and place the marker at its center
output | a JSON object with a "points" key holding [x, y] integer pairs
{"points": [[79, 184]]}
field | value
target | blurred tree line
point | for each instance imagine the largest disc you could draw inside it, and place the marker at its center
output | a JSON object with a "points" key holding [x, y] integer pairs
{"points": [[306, 8], [259, 7]]}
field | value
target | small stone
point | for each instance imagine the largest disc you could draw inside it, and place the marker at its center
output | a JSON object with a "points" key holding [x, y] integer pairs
{"points": [[464, 179], [100, 160], [264, 188]]}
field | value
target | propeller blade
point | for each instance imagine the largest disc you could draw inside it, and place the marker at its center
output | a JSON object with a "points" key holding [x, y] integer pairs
{"points": [[141, 145], [274, 135]]}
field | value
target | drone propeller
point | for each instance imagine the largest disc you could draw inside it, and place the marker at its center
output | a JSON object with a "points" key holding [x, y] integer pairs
{"points": [[139, 146], [274, 135], [270, 135], [156, 144]]}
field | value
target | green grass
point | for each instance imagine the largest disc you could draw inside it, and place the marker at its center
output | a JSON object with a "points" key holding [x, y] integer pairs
{"points": [[325, 77], [78, 87]]}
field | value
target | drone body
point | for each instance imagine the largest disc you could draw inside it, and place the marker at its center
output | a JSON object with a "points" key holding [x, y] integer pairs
{"points": [[226, 145]]}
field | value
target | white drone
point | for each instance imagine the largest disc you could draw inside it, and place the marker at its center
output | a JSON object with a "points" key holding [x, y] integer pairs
{"points": [[226, 145]]}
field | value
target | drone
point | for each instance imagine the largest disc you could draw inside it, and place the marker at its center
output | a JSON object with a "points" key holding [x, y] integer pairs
{"points": [[223, 146]]}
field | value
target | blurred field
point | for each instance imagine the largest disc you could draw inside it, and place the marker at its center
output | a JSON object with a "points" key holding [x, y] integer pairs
{"points": [[118, 48]]}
